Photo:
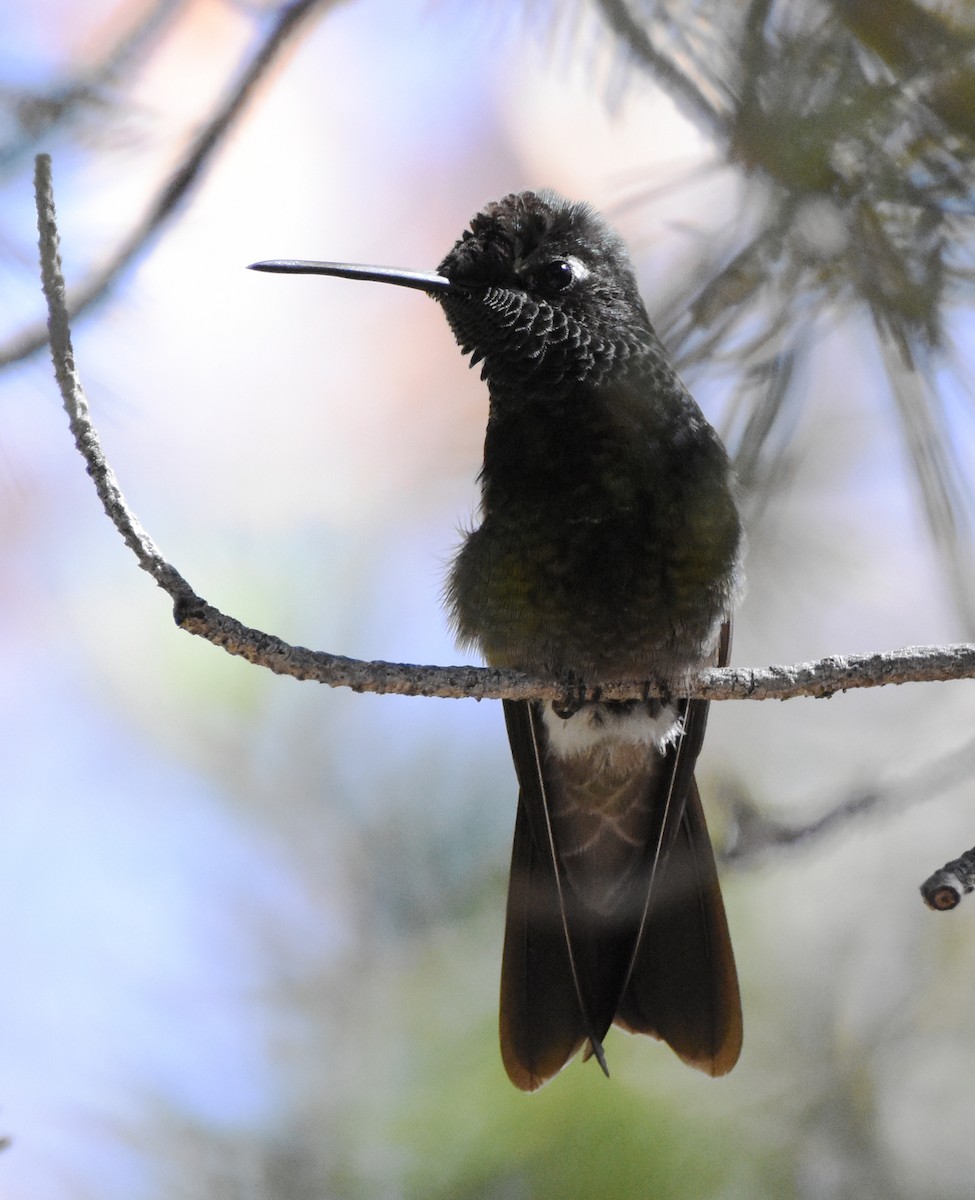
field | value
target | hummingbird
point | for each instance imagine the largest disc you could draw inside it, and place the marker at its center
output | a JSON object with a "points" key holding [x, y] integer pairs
{"points": [[609, 548]]}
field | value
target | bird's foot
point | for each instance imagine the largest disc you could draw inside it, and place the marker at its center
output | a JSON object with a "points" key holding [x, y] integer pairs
{"points": [[574, 696], [656, 696]]}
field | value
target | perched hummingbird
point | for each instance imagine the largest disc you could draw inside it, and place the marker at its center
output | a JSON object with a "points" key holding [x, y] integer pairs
{"points": [[609, 549]]}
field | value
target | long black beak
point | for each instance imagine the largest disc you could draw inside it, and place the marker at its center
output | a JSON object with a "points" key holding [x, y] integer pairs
{"points": [[428, 282]]}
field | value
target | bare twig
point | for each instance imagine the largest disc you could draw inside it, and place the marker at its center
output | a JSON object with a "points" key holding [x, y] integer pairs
{"points": [[29, 341], [194, 615], [944, 889]]}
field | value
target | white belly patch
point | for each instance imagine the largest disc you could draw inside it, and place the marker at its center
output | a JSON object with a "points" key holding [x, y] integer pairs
{"points": [[597, 726]]}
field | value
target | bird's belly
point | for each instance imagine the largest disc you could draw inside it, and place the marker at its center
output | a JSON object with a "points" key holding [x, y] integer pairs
{"points": [[595, 600], [526, 613]]}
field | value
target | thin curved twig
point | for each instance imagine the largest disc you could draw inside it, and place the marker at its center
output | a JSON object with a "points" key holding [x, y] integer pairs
{"points": [[193, 614]]}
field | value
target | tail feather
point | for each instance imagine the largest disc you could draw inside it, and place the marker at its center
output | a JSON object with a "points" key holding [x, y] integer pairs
{"points": [[658, 962], [683, 986]]}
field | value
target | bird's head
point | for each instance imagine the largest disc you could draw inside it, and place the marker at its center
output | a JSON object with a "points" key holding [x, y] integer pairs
{"points": [[538, 288]]}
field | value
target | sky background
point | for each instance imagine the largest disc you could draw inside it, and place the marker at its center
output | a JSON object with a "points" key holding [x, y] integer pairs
{"points": [[253, 926]]}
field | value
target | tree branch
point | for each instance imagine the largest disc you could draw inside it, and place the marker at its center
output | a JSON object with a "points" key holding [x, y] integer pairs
{"points": [[194, 615], [944, 889]]}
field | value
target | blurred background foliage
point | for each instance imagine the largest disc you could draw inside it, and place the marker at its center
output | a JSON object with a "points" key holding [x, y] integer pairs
{"points": [[253, 927]]}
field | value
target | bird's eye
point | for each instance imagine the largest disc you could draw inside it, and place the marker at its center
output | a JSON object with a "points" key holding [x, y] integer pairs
{"points": [[555, 276]]}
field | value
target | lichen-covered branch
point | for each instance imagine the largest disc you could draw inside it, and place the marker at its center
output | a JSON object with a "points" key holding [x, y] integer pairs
{"points": [[193, 614]]}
